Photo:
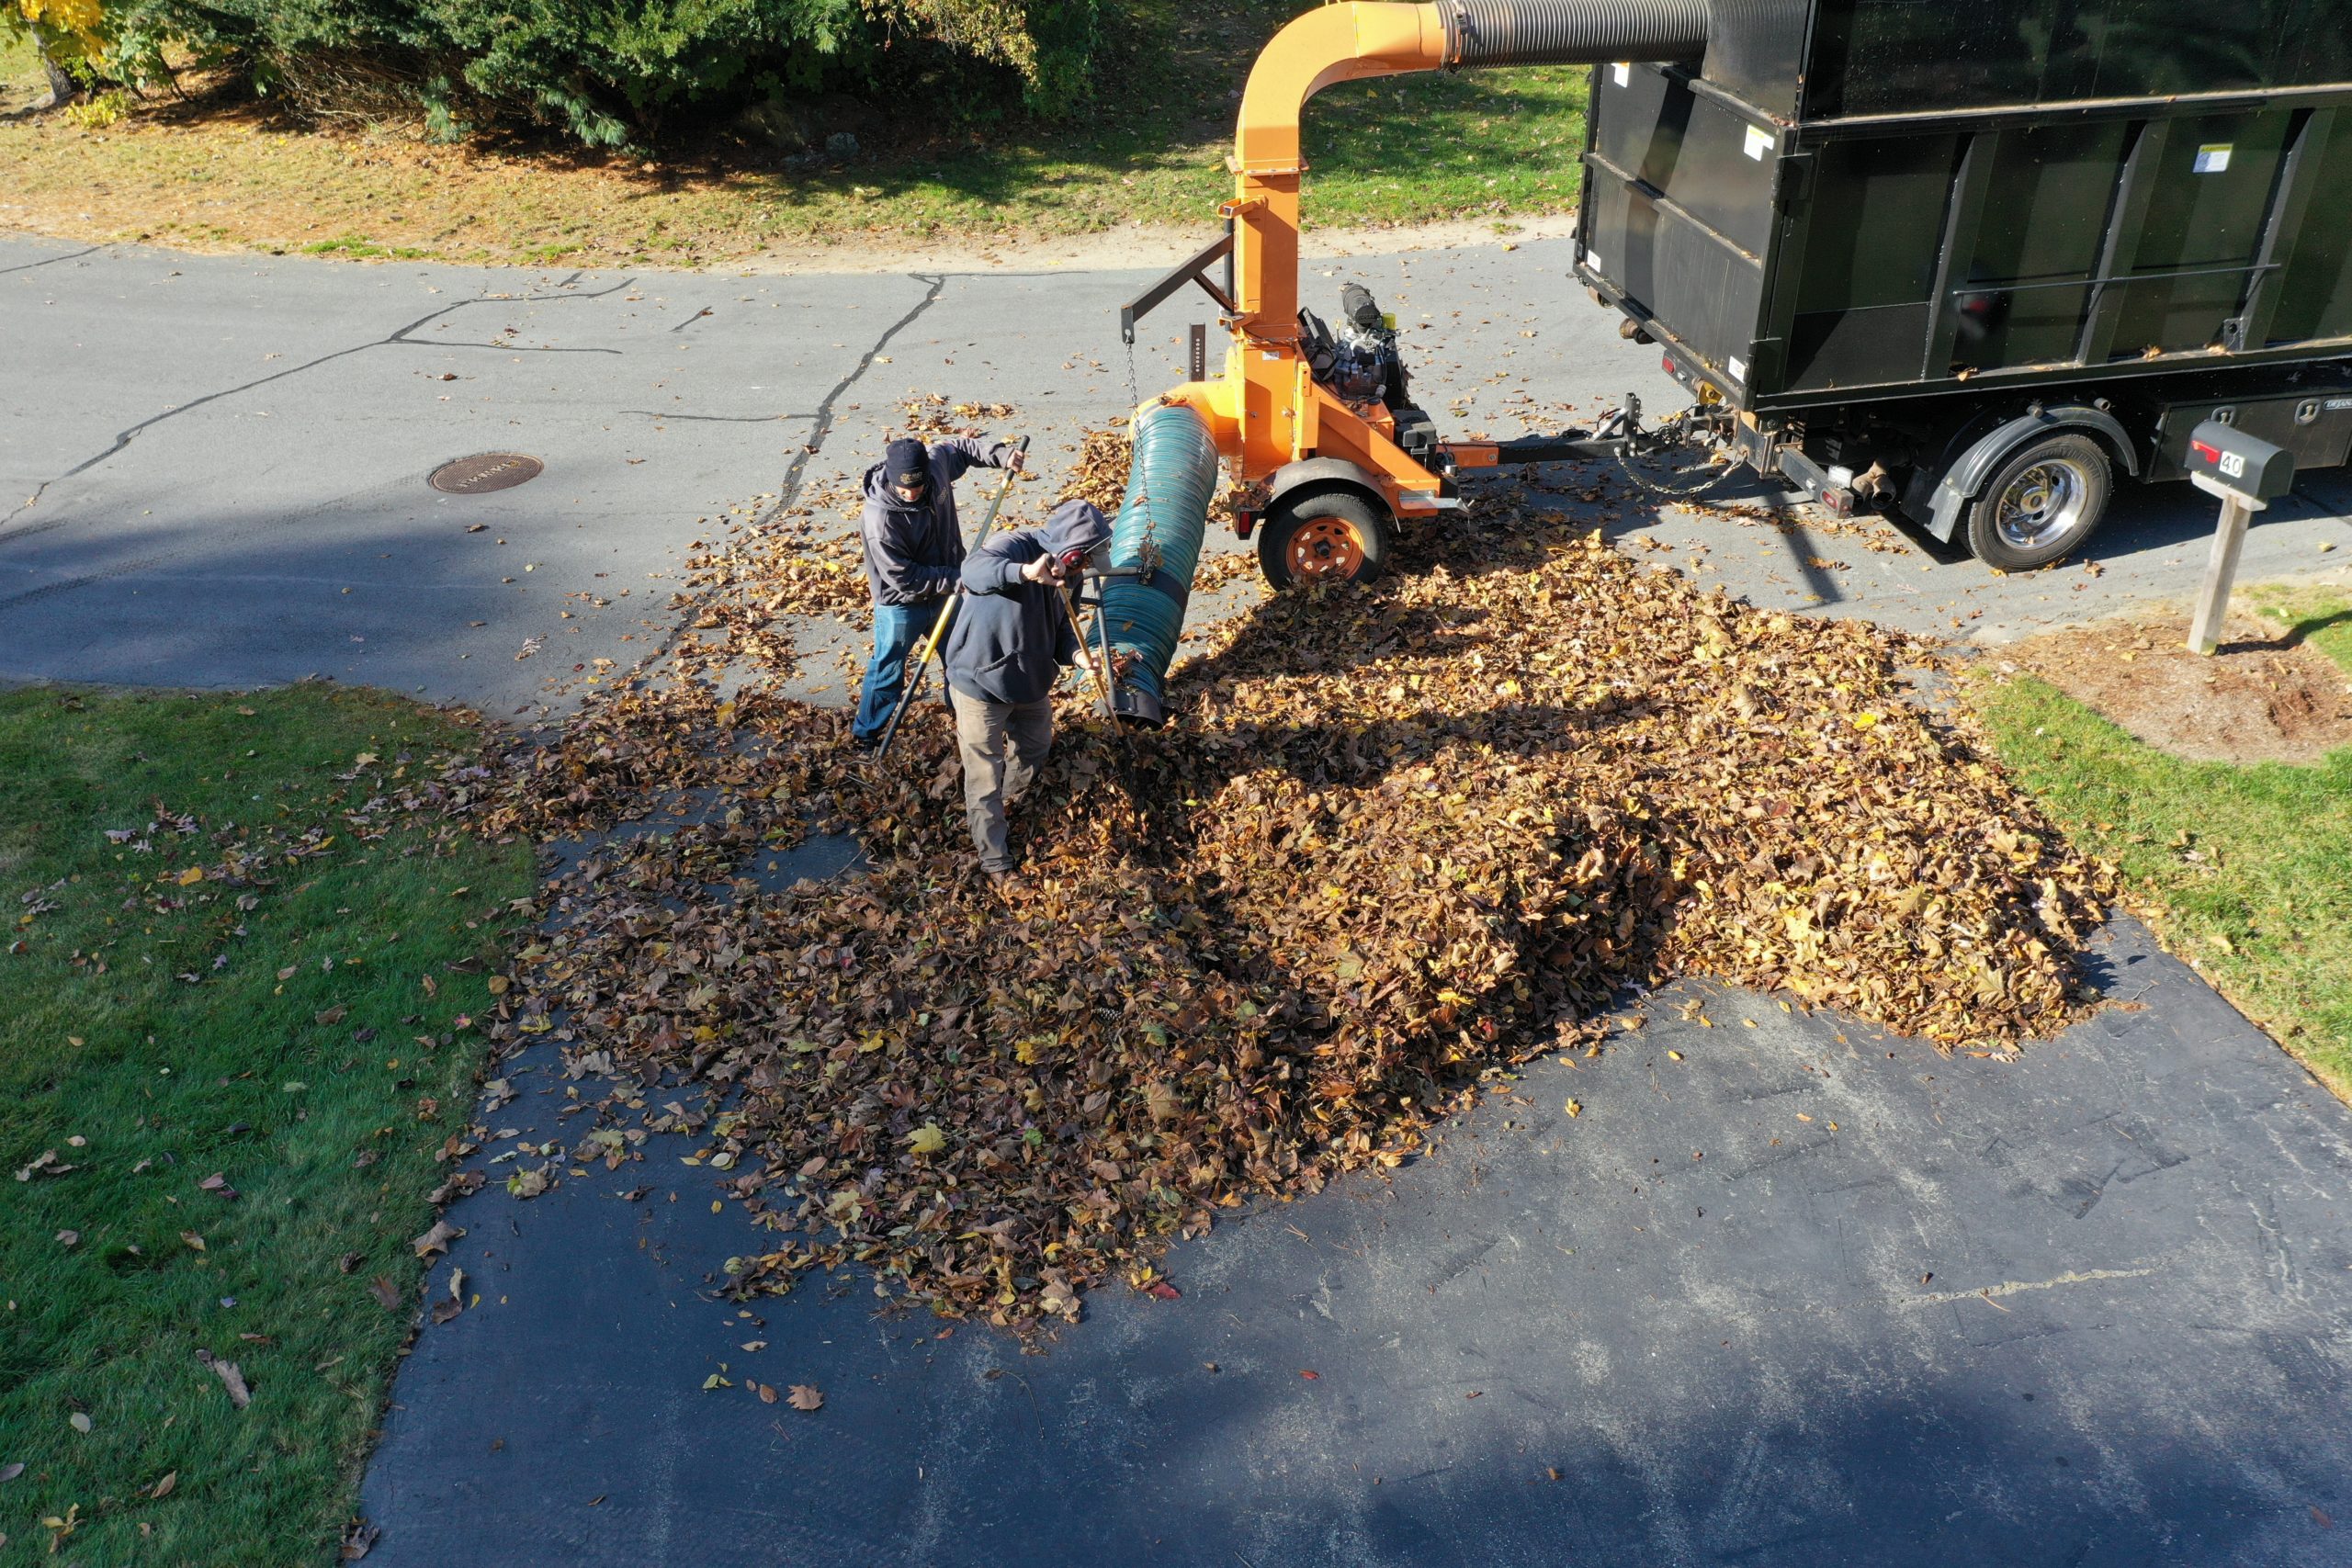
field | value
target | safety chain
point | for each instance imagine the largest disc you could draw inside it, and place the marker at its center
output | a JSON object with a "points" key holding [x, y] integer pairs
{"points": [[1665, 437], [1148, 556]]}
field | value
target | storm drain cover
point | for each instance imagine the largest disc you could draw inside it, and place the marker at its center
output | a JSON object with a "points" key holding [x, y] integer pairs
{"points": [[486, 471]]}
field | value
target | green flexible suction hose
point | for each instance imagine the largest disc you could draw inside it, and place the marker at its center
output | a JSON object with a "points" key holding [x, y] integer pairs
{"points": [[1172, 478]]}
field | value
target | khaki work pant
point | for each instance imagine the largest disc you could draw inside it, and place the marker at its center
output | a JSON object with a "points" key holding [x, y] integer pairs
{"points": [[1003, 745]]}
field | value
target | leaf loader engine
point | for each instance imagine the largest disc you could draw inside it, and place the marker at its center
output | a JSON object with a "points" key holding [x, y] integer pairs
{"points": [[1359, 364]]}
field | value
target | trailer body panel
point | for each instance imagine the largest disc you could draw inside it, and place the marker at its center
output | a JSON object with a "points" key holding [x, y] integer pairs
{"points": [[1946, 200]]}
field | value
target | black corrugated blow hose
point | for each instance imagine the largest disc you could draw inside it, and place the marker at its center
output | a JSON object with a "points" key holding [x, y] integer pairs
{"points": [[1572, 32]]}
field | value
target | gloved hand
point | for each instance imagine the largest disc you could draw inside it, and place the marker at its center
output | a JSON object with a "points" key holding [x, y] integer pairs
{"points": [[1044, 569]]}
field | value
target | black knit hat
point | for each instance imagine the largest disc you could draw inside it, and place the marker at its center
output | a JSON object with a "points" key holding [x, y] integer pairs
{"points": [[907, 463]]}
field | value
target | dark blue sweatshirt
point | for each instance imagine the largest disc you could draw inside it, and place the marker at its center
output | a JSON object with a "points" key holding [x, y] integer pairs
{"points": [[1012, 636]]}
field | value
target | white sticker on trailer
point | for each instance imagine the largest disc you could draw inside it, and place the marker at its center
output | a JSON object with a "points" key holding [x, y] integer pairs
{"points": [[1620, 72], [1738, 368], [1759, 142], [1592, 260], [2213, 158]]}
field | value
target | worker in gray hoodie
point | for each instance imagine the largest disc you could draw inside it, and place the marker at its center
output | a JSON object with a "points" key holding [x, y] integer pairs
{"points": [[914, 546], [1010, 641]]}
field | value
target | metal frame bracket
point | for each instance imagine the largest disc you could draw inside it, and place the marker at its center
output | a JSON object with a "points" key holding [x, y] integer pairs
{"points": [[1194, 269]]}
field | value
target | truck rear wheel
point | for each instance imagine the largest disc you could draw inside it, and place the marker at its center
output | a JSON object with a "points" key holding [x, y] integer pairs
{"points": [[1337, 535], [2041, 504]]}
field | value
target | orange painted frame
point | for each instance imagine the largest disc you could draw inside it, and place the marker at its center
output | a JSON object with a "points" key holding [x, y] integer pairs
{"points": [[1266, 410]]}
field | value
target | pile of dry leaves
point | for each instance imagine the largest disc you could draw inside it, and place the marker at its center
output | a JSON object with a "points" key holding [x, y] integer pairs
{"points": [[1394, 836]]}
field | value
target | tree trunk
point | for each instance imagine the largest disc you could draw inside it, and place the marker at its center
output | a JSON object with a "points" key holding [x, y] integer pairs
{"points": [[62, 88]]}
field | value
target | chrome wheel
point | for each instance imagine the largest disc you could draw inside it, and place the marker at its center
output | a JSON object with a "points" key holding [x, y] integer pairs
{"points": [[2041, 505]]}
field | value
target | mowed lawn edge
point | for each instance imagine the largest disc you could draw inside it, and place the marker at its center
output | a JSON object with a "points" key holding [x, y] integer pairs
{"points": [[226, 971], [2241, 870], [1150, 150]]}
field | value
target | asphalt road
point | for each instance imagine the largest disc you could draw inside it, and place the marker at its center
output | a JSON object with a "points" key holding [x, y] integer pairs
{"points": [[212, 469], [1806, 1296]]}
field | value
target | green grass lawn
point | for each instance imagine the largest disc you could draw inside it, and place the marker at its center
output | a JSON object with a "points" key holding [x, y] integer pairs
{"points": [[289, 1020], [2266, 908], [1149, 149]]}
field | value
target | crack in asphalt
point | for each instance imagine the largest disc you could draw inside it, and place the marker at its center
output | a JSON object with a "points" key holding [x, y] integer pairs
{"points": [[789, 490], [793, 475], [724, 418], [400, 337], [51, 261], [469, 342]]}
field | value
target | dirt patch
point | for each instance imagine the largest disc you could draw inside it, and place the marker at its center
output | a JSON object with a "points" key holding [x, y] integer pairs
{"points": [[2263, 698]]}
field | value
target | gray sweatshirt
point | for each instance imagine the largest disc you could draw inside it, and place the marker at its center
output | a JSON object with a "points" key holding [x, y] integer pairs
{"points": [[912, 551]]}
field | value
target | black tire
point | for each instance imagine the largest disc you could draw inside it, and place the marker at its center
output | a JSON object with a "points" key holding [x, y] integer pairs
{"points": [[1335, 535], [2041, 504]]}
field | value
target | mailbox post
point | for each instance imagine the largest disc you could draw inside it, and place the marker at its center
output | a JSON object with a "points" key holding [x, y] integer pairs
{"points": [[2246, 473]]}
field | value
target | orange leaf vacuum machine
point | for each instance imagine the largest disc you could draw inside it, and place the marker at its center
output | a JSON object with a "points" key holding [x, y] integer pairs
{"points": [[1965, 267]]}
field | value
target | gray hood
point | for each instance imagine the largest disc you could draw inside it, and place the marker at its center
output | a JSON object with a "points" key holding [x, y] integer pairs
{"points": [[1076, 525]]}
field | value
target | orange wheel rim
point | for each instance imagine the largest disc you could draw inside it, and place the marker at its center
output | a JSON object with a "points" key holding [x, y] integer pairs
{"points": [[1326, 546]]}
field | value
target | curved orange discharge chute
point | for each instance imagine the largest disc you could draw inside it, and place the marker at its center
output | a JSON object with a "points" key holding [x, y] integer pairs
{"points": [[1266, 410]]}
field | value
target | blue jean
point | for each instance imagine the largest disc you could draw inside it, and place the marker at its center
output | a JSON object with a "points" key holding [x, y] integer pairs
{"points": [[898, 629]]}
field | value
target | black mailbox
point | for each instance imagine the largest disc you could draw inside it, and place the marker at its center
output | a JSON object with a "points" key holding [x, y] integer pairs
{"points": [[2225, 457]]}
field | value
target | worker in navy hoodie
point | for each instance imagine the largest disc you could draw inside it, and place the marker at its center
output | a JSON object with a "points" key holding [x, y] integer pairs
{"points": [[914, 547], [1010, 641]]}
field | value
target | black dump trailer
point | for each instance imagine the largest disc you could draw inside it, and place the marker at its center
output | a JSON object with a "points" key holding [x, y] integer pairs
{"points": [[1976, 261]]}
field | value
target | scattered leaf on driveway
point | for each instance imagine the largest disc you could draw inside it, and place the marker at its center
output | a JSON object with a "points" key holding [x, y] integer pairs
{"points": [[804, 1397], [437, 1239]]}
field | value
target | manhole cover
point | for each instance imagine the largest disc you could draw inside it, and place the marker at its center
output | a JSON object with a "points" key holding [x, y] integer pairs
{"points": [[486, 471]]}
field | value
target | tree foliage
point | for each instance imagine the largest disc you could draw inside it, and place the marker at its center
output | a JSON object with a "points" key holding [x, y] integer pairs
{"points": [[69, 34], [607, 72]]}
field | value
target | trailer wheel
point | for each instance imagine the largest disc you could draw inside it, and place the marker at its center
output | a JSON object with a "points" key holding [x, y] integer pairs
{"points": [[2041, 504], [1335, 535]]}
